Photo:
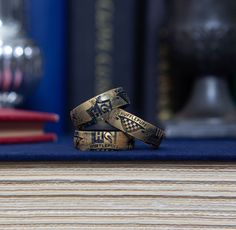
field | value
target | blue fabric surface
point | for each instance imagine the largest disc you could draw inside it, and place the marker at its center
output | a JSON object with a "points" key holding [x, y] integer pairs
{"points": [[171, 149]]}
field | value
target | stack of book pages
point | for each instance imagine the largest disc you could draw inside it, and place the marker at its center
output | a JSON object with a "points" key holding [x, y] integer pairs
{"points": [[118, 196]]}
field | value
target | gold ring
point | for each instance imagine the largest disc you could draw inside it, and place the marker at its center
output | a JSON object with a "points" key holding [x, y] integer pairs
{"points": [[91, 111], [135, 127], [102, 140]]}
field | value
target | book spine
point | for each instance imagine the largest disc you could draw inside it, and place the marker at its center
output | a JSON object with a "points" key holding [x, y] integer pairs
{"points": [[47, 27], [101, 51], [172, 93], [49, 137], [152, 77], [165, 87], [159, 85], [24, 115], [232, 83], [103, 45]]}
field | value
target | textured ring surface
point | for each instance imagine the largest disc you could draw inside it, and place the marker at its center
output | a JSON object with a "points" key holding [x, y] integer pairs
{"points": [[91, 111], [135, 127], [102, 140]]}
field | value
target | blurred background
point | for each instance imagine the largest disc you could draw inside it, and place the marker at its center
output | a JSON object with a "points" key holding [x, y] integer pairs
{"points": [[174, 58]]}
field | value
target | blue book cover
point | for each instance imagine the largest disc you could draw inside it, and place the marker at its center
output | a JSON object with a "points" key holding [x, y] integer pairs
{"points": [[153, 20], [47, 27]]}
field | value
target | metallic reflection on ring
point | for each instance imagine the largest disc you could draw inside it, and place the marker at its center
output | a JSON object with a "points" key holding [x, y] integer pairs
{"points": [[102, 140]]}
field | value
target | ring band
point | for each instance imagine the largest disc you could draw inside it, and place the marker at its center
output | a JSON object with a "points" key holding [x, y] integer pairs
{"points": [[91, 111], [135, 127], [102, 140]]}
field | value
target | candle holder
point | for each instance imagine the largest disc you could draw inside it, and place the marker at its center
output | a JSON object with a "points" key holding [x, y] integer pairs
{"points": [[201, 37], [20, 57]]}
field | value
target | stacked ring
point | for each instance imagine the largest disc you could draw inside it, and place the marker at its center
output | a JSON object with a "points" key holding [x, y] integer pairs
{"points": [[107, 107], [91, 111], [135, 127], [102, 140]]}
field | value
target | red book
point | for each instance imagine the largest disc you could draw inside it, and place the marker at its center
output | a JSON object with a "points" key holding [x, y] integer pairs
{"points": [[22, 126]]}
